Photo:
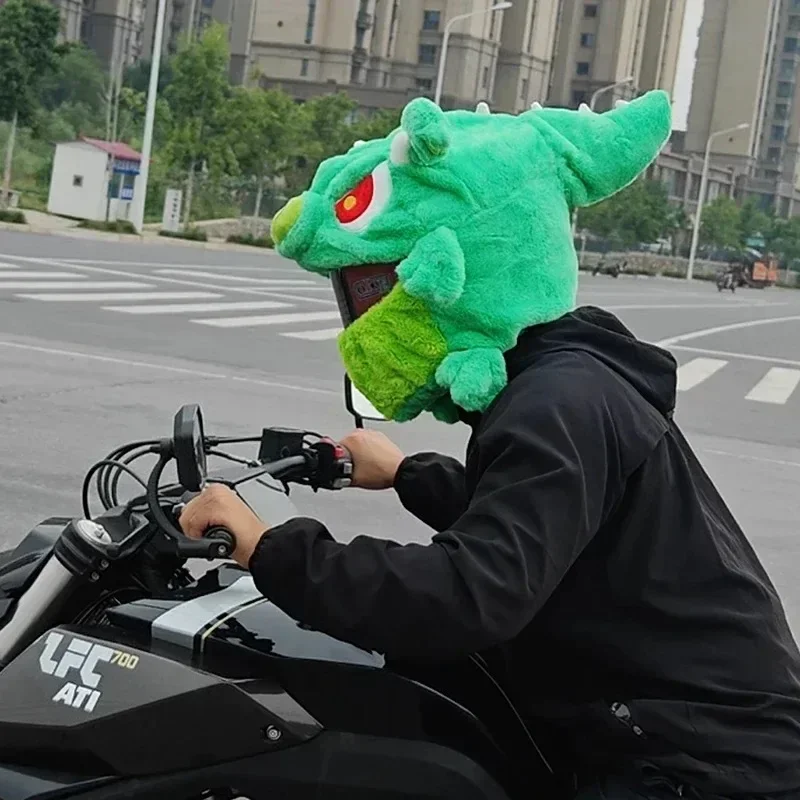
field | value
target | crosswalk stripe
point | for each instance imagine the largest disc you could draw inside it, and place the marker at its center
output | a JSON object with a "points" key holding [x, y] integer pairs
{"points": [[198, 308], [696, 371], [776, 386], [275, 319], [33, 285], [16, 274], [315, 336], [238, 278], [117, 297]]}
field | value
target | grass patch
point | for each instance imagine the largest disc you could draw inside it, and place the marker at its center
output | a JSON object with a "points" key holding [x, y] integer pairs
{"points": [[251, 239], [115, 226], [12, 215], [192, 234]]}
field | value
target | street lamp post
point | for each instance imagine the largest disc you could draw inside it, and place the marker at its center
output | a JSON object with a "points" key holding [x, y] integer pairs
{"points": [[702, 195], [592, 104], [446, 40], [140, 190]]}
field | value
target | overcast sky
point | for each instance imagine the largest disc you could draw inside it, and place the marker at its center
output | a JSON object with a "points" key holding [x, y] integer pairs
{"points": [[683, 81]]}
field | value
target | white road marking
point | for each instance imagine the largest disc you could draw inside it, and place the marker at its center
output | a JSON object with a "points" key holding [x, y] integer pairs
{"points": [[315, 336], [16, 274], [776, 386], [277, 282], [198, 308], [118, 297], [686, 306], [275, 319], [746, 457], [745, 356], [28, 285], [164, 368], [696, 371], [735, 326]]}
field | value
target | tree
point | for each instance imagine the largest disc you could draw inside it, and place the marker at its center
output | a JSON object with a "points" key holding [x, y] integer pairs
{"points": [[266, 131], [754, 223], [197, 98], [721, 224], [639, 213], [28, 33], [785, 239]]}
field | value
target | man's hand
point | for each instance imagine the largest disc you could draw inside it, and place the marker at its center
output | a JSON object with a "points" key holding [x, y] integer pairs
{"points": [[376, 459], [217, 505]]}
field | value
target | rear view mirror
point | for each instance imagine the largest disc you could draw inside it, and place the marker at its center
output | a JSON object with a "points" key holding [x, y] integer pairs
{"points": [[359, 406]]}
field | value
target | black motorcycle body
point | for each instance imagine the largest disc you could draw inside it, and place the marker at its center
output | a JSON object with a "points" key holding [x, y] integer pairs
{"points": [[206, 689]]}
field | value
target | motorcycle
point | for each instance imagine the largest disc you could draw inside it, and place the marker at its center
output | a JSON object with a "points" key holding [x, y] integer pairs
{"points": [[123, 674], [609, 269], [727, 280]]}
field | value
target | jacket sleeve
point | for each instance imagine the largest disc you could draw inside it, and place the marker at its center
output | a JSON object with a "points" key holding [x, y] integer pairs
{"points": [[546, 460], [433, 488]]}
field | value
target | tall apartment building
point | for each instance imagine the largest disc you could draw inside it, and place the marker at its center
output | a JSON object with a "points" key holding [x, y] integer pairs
{"points": [[601, 42], [383, 52], [183, 16], [747, 72], [113, 29]]}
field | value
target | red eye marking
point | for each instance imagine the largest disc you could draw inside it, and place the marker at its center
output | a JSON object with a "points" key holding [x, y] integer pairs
{"points": [[356, 201]]}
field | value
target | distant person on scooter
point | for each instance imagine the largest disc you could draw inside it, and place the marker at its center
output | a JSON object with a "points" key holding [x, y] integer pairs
{"points": [[581, 544]]}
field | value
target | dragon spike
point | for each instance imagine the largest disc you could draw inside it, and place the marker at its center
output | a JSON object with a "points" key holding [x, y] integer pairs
{"points": [[603, 153], [482, 108], [359, 143], [621, 103], [536, 106], [584, 109]]}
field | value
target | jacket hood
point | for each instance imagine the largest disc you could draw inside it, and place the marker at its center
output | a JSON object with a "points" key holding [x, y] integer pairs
{"points": [[649, 369]]}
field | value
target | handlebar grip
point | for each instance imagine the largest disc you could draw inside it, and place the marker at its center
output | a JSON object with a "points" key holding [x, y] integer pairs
{"points": [[227, 541]]}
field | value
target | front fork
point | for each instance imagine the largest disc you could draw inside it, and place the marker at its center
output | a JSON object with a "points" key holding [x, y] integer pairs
{"points": [[82, 554]]}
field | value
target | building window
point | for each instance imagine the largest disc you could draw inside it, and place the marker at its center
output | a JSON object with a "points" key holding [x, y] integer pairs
{"points": [[794, 23], [392, 29], [427, 54], [795, 5], [424, 83], [208, 3], [774, 155], [578, 97], [590, 10], [485, 78], [77, 180], [785, 89], [781, 111], [312, 13], [778, 133], [430, 20], [788, 69], [524, 89], [386, 78], [493, 25], [587, 40], [532, 28], [582, 68], [304, 67], [790, 45]]}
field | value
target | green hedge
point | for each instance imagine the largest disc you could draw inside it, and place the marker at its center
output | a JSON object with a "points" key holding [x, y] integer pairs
{"points": [[192, 234], [248, 238], [12, 215], [114, 226]]}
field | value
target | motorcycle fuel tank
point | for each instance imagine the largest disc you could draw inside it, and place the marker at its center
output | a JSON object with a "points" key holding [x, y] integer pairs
{"points": [[81, 702]]}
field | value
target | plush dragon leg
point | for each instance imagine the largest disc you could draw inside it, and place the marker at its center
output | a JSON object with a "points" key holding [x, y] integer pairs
{"points": [[473, 377], [434, 270]]}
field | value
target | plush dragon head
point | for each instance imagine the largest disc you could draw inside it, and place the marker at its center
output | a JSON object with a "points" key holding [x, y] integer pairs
{"points": [[474, 209]]}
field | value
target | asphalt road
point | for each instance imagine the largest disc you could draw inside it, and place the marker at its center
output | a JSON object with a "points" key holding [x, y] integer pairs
{"points": [[100, 344]]}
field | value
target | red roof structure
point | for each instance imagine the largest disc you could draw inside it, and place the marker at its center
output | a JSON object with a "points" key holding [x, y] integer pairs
{"points": [[118, 150]]}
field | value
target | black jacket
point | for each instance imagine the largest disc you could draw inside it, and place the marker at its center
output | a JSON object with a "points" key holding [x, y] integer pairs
{"points": [[585, 542]]}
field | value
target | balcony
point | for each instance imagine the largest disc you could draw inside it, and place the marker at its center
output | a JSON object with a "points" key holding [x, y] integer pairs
{"points": [[364, 20]]}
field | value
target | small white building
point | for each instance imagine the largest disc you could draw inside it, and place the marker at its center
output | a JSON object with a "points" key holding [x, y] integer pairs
{"points": [[93, 179]]}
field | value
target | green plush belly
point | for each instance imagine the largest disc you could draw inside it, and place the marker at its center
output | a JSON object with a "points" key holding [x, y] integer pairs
{"points": [[391, 355]]}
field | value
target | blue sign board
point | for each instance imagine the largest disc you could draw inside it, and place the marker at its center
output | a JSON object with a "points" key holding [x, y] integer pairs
{"points": [[126, 193], [126, 167]]}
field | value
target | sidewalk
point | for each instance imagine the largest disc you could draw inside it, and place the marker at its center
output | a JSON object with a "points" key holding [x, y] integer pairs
{"points": [[49, 225]]}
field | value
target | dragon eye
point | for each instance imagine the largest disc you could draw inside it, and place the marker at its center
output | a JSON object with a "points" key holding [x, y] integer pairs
{"points": [[365, 200]]}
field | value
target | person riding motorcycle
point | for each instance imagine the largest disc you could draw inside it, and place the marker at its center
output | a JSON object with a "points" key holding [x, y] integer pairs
{"points": [[581, 546]]}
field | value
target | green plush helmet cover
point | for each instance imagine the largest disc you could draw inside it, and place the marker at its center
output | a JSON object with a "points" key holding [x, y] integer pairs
{"points": [[475, 210]]}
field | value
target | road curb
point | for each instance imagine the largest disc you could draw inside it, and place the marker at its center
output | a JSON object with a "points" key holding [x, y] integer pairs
{"points": [[102, 236]]}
